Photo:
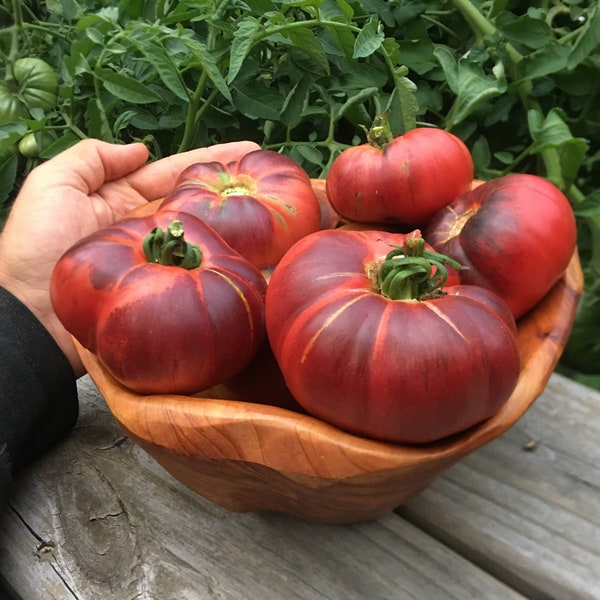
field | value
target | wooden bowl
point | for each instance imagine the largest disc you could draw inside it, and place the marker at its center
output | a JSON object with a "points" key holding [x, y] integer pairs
{"points": [[248, 447]]}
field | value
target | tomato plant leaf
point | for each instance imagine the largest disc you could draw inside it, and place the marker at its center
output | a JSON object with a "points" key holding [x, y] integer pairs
{"points": [[147, 43], [417, 55], [307, 3], [58, 146], [241, 45], [589, 207], [67, 9], [95, 36], [8, 175], [480, 151], [259, 101], [407, 100], [260, 7], [305, 41], [587, 42], [208, 64], [345, 8], [528, 31], [446, 60], [471, 86], [553, 132], [369, 40], [342, 39], [309, 153], [125, 87], [545, 61], [291, 113]]}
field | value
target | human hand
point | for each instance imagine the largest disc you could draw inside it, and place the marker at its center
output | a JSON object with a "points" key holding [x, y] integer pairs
{"points": [[83, 189]]}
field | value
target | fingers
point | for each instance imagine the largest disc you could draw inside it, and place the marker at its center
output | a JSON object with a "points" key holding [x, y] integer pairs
{"points": [[157, 179], [89, 164]]}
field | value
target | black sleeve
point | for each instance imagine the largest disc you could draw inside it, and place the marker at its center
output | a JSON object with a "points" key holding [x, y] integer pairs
{"points": [[38, 390]]}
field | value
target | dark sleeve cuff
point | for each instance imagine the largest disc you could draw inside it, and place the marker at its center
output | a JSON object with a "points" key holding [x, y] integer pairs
{"points": [[5, 476], [38, 390]]}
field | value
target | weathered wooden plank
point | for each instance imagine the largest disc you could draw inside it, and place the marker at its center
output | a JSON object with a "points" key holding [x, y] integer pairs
{"points": [[98, 518], [527, 506]]}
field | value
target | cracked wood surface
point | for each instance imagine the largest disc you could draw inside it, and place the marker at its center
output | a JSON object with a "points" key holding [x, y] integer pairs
{"points": [[98, 518]]}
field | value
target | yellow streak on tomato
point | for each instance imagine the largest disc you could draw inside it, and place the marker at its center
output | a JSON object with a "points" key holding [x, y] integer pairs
{"points": [[444, 318], [326, 324], [240, 295]]}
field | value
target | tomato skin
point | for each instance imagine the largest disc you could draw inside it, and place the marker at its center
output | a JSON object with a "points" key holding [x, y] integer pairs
{"points": [[11, 109], [397, 371], [157, 328], [33, 144], [406, 182], [516, 234], [330, 219], [31, 84], [38, 82], [260, 205]]}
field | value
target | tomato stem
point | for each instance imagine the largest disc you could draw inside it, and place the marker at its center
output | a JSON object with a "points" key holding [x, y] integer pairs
{"points": [[169, 247], [409, 272], [380, 134]]}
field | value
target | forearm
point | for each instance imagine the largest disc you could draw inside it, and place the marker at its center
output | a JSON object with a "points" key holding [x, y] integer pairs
{"points": [[38, 393]]}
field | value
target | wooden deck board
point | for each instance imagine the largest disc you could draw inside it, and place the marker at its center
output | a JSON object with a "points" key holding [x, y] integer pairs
{"points": [[528, 514], [99, 518]]}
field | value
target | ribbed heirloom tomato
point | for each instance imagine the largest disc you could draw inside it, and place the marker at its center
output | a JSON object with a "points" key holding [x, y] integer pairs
{"points": [[516, 234], [403, 179], [163, 301], [369, 339], [32, 83], [260, 204]]}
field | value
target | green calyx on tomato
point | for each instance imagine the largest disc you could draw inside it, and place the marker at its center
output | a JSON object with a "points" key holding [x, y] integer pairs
{"points": [[168, 247], [380, 134], [410, 272]]}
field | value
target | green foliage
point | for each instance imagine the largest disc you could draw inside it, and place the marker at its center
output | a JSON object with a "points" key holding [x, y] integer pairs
{"points": [[518, 82]]}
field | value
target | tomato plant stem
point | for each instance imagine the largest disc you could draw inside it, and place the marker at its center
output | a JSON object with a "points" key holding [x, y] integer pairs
{"points": [[193, 113], [13, 52], [480, 25]]}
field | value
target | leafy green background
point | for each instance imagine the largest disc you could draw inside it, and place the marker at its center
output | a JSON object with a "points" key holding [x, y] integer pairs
{"points": [[518, 82]]}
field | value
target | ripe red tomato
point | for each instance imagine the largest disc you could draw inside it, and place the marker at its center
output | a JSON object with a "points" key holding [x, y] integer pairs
{"points": [[358, 350], [405, 180], [260, 205], [516, 234], [164, 314]]}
